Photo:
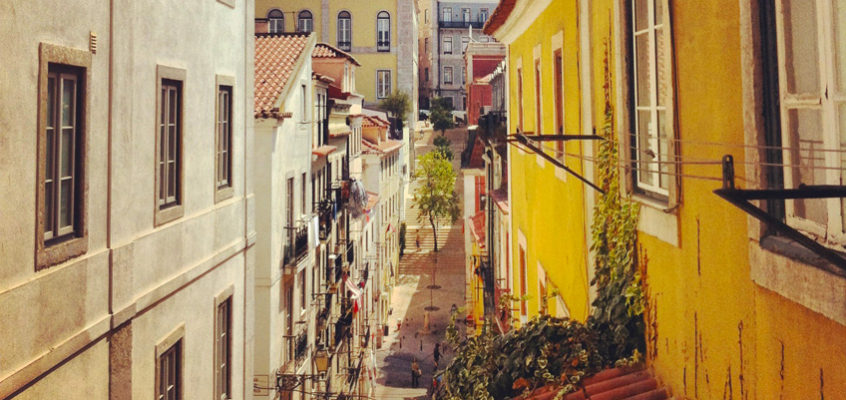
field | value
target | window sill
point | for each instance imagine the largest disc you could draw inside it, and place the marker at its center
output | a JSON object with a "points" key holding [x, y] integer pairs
{"points": [[48, 256], [229, 3], [224, 193], [656, 220], [794, 272], [169, 214]]}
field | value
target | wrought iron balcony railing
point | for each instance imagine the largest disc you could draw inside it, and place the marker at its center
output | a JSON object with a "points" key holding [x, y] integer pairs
{"points": [[383, 45], [461, 24], [297, 248], [301, 346], [345, 46], [325, 218]]}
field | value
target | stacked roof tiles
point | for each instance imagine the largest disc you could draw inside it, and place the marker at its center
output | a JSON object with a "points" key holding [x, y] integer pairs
{"points": [[277, 56], [610, 384]]}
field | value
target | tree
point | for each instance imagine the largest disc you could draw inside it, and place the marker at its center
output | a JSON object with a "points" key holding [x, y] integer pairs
{"points": [[441, 115], [397, 105], [444, 146], [434, 195]]}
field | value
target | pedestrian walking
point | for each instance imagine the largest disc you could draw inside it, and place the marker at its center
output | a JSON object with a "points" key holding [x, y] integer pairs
{"points": [[417, 240], [415, 373], [437, 354]]}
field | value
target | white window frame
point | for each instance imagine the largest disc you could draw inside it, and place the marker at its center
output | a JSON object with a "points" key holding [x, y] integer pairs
{"points": [[383, 86], [224, 170], [275, 22], [656, 168], [447, 43], [383, 31], [448, 74], [223, 330], [345, 32], [446, 14], [465, 15], [305, 24], [825, 100]]}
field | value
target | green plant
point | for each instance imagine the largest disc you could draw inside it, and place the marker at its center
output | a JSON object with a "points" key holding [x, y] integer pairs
{"points": [[441, 115], [444, 146], [434, 194], [397, 104], [619, 305], [402, 239], [546, 350]]}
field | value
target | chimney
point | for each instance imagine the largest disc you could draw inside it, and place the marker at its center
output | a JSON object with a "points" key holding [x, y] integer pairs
{"points": [[262, 25]]}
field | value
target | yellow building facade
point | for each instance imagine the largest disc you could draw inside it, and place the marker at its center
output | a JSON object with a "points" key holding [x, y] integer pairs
{"points": [[380, 34], [736, 308]]}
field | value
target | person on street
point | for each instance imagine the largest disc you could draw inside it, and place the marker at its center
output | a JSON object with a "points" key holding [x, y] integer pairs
{"points": [[437, 354], [415, 373], [417, 240]]}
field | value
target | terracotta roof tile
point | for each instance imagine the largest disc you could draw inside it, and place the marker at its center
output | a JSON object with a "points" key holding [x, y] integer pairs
{"points": [[324, 50], [275, 59], [324, 150], [610, 384], [385, 147], [499, 16]]}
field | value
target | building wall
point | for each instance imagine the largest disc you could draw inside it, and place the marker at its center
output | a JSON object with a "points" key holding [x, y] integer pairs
{"points": [[557, 240], [100, 315], [363, 36]]}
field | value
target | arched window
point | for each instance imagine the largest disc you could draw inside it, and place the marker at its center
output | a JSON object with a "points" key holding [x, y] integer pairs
{"points": [[344, 30], [304, 21], [383, 31], [275, 21]]}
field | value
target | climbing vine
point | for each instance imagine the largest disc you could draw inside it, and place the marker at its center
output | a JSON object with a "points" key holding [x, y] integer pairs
{"points": [[618, 308]]}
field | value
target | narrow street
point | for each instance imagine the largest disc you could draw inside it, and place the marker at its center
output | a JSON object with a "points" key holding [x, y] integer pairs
{"points": [[427, 281]]}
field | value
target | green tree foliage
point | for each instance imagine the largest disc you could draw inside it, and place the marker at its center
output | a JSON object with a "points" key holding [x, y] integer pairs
{"points": [[444, 146], [441, 115], [546, 350], [402, 239], [397, 105], [618, 308], [434, 194]]}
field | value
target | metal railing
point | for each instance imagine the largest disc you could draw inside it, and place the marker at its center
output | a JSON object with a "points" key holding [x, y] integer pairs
{"points": [[383, 45], [301, 346], [297, 248], [461, 24], [324, 216], [344, 46]]}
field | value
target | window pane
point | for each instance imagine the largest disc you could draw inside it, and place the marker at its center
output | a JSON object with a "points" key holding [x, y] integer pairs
{"points": [[662, 61], [65, 197], [642, 69], [663, 151], [839, 24], [66, 153], [68, 87], [806, 125], [171, 179], [659, 11], [171, 143], [49, 209], [800, 35], [174, 104], [51, 98], [50, 144], [644, 154], [641, 14]]}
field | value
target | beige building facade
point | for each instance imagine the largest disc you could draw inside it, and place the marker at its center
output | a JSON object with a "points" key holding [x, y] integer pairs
{"points": [[126, 247]]}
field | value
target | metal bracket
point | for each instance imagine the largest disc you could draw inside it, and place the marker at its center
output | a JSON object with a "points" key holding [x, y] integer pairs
{"points": [[525, 141], [741, 197]]}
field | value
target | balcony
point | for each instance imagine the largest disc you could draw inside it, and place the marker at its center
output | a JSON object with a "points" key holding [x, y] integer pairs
{"points": [[383, 46], [297, 248], [325, 211], [345, 46], [461, 24], [501, 314], [301, 346], [350, 256]]}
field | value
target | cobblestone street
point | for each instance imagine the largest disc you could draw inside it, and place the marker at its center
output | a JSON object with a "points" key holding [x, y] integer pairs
{"points": [[418, 271]]}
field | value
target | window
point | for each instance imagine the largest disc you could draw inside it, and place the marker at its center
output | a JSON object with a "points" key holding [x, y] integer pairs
{"points": [[304, 21], [650, 98], [223, 138], [426, 73], [558, 87], [483, 15], [447, 14], [303, 194], [448, 75], [169, 143], [464, 41], [304, 103], [275, 21], [383, 31], [290, 207], [301, 286], [223, 347], [60, 225], [538, 105], [169, 358], [812, 106], [344, 30], [426, 46], [447, 44], [383, 83], [426, 15], [520, 99], [524, 309], [465, 15], [464, 80], [449, 103]]}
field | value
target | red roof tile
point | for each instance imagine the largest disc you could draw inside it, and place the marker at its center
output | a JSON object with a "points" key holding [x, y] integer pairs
{"points": [[276, 58], [324, 50], [610, 384], [372, 199], [385, 147], [499, 16], [324, 150]]}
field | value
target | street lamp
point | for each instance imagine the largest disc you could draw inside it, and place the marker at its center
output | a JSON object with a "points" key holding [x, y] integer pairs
{"points": [[321, 361]]}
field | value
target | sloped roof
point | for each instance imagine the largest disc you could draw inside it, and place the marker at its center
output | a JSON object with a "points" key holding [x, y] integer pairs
{"points": [[325, 50], [477, 228], [385, 147], [276, 57], [499, 16]]}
